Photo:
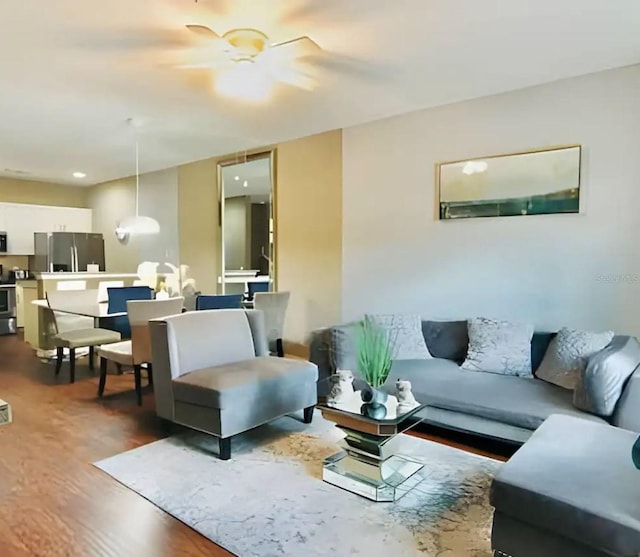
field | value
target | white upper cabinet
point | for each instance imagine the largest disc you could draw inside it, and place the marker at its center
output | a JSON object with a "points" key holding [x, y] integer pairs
{"points": [[22, 221]]}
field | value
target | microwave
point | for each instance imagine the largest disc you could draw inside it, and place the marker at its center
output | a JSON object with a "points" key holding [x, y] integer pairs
{"points": [[3, 242]]}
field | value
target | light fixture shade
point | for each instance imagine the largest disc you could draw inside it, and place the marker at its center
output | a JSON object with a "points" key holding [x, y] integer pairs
{"points": [[138, 225]]}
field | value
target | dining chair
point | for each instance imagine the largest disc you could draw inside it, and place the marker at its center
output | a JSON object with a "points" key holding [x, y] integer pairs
{"points": [[229, 301], [103, 285], [137, 350], [274, 306], [117, 303], [76, 332], [253, 287]]}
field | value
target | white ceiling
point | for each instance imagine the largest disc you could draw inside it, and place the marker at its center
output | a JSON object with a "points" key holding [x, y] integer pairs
{"points": [[73, 71]]}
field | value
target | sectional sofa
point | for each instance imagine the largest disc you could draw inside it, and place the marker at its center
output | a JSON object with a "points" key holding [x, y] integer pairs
{"points": [[502, 407]]}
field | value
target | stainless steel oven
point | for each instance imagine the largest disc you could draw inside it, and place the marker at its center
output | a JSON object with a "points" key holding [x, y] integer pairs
{"points": [[7, 310]]}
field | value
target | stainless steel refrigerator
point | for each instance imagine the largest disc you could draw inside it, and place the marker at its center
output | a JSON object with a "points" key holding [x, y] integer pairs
{"points": [[67, 251]]}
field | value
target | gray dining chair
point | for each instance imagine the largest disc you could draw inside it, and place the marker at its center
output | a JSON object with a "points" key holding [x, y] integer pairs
{"points": [[74, 332], [274, 306], [137, 351]]}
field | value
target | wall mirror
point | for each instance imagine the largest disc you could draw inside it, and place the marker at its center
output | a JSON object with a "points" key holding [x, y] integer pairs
{"points": [[247, 224]]}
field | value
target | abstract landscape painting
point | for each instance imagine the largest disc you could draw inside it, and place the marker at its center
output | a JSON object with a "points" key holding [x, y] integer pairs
{"points": [[534, 183]]}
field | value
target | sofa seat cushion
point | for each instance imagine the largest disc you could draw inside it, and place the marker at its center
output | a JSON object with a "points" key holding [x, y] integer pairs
{"points": [[242, 383], [518, 401], [575, 478]]}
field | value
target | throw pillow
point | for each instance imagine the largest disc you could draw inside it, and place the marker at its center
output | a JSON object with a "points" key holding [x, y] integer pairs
{"points": [[568, 354], [499, 347], [602, 381], [406, 332], [344, 347]]}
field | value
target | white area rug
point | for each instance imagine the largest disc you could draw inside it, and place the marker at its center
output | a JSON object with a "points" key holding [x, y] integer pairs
{"points": [[269, 499]]}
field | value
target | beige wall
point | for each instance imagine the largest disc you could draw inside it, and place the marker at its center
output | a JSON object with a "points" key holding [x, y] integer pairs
{"points": [[37, 193], [112, 202], [200, 238], [309, 231], [42, 193], [308, 227]]}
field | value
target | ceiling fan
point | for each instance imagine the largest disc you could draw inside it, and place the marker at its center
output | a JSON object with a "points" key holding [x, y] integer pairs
{"points": [[246, 65]]}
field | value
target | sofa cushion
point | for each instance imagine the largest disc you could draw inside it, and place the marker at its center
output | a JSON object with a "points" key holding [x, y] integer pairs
{"points": [[568, 354], [601, 383], [344, 347], [577, 479], [499, 347], [518, 401], [446, 339], [405, 332], [242, 383]]}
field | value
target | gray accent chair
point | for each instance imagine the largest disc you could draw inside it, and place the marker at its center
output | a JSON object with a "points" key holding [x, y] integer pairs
{"points": [[571, 491], [213, 373]]}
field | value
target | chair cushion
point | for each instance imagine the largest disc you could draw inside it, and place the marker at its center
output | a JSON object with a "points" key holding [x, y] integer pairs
{"points": [[575, 478], [119, 352], [517, 401], [241, 383], [86, 337]]}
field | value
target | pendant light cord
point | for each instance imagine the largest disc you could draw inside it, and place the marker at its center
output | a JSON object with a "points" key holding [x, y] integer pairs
{"points": [[137, 179]]}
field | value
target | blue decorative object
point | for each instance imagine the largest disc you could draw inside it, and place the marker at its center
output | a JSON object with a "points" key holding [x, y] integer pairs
{"points": [[635, 453]]}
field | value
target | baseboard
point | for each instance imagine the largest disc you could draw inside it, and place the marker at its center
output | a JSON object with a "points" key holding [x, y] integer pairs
{"points": [[296, 349]]}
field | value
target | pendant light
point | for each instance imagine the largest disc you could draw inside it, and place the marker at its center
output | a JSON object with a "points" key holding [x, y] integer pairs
{"points": [[137, 225]]}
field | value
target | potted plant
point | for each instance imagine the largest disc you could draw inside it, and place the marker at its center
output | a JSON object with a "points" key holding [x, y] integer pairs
{"points": [[375, 354]]}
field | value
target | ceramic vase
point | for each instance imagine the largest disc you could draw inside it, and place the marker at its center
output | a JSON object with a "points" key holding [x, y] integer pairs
{"points": [[373, 406]]}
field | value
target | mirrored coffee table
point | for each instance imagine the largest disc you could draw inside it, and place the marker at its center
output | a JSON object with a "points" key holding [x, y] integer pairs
{"points": [[368, 463]]}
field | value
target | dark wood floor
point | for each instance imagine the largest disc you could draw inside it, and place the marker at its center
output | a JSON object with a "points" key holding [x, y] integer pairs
{"points": [[53, 502]]}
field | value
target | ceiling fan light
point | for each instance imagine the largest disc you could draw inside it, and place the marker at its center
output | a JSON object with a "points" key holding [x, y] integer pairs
{"points": [[245, 81]]}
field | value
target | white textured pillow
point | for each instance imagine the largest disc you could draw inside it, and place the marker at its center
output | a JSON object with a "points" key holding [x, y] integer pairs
{"points": [[568, 354], [499, 347], [406, 331]]}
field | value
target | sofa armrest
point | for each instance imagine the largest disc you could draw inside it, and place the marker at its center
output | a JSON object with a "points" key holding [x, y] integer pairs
{"points": [[627, 414], [320, 354]]}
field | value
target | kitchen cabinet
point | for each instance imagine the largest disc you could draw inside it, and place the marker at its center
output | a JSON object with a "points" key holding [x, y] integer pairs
{"points": [[21, 221]]}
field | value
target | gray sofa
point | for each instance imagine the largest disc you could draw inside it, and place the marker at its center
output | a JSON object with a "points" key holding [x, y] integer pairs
{"points": [[501, 407]]}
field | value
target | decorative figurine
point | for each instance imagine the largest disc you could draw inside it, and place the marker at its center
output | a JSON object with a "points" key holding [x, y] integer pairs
{"points": [[406, 400], [342, 389]]}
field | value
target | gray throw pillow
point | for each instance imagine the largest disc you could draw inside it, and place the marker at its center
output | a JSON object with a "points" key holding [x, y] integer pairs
{"points": [[499, 347], [568, 354], [344, 347], [601, 383], [406, 332]]}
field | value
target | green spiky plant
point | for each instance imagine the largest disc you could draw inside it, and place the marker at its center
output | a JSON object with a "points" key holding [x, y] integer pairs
{"points": [[375, 352]]}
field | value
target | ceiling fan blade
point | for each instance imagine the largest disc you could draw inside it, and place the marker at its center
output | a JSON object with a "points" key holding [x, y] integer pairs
{"points": [[203, 32], [296, 77], [297, 48]]}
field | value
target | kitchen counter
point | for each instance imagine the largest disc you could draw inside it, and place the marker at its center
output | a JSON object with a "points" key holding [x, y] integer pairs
{"points": [[82, 275], [7, 285]]}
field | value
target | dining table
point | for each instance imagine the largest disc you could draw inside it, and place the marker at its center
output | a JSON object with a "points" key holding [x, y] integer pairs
{"points": [[97, 311]]}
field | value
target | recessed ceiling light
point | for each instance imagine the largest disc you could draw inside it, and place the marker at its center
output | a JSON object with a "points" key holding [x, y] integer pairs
{"points": [[245, 184], [236, 178], [79, 175]]}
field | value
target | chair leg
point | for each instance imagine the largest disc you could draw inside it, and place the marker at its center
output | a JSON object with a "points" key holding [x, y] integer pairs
{"points": [[103, 376], [279, 348], [150, 374], [72, 365], [91, 355], [308, 414], [137, 372], [225, 448], [59, 358], [119, 368]]}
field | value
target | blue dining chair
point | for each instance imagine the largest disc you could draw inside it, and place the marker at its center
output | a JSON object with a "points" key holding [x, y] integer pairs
{"points": [[117, 302], [229, 301], [254, 287]]}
